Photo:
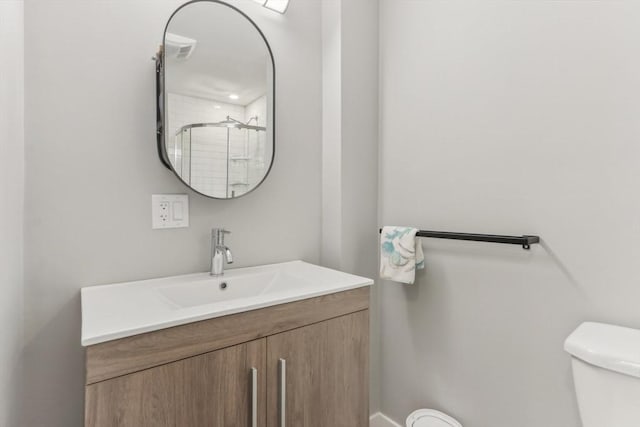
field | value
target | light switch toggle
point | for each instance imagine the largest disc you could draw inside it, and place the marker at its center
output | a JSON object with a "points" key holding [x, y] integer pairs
{"points": [[177, 211]]}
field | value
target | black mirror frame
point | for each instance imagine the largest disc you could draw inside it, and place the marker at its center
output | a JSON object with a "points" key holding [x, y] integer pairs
{"points": [[161, 100]]}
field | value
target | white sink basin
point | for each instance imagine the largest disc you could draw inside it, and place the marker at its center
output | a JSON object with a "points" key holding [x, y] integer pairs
{"points": [[210, 290], [120, 310]]}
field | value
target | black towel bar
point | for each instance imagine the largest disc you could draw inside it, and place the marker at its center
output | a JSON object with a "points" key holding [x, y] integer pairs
{"points": [[524, 241]]}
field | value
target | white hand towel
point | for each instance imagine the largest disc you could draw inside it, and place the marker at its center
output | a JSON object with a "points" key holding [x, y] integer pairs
{"points": [[400, 254]]}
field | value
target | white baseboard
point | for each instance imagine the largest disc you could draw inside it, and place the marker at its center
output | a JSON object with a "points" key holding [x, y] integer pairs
{"points": [[380, 420]]}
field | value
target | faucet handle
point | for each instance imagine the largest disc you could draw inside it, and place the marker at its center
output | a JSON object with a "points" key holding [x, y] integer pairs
{"points": [[217, 234], [217, 230]]}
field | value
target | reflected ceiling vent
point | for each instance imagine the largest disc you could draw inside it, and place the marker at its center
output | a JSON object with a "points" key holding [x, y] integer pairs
{"points": [[178, 47], [279, 6]]}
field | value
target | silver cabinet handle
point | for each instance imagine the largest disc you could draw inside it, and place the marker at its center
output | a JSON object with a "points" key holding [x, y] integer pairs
{"points": [[282, 368], [254, 397]]}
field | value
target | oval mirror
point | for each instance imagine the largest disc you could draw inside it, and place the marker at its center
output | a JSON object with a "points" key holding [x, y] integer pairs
{"points": [[216, 100]]}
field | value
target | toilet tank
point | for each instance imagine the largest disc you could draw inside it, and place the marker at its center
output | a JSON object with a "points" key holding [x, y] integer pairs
{"points": [[606, 374]]}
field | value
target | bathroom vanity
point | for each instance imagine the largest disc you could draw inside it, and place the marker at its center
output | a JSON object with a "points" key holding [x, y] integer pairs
{"points": [[279, 345]]}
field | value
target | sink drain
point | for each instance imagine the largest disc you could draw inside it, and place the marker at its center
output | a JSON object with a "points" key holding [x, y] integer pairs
{"points": [[223, 285]]}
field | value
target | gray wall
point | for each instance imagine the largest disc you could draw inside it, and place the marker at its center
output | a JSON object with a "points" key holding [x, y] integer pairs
{"points": [[359, 159], [92, 167], [350, 149], [11, 206], [507, 117]]}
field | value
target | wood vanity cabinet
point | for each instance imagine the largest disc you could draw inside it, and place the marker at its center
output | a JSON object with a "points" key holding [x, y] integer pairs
{"points": [[211, 389], [300, 364], [326, 373]]}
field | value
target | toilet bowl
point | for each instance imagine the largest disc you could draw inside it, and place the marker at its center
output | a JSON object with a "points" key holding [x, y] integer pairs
{"points": [[430, 418], [606, 374]]}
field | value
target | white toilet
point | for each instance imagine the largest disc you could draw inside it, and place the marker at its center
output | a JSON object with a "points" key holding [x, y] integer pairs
{"points": [[606, 374], [430, 418]]}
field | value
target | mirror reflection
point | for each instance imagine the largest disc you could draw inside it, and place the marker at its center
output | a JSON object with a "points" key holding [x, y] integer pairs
{"points": [[219, 100]]}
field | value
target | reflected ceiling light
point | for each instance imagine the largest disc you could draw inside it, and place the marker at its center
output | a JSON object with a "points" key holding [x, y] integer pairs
{"points": [[279, 6], [217, 107], [233, 96]]}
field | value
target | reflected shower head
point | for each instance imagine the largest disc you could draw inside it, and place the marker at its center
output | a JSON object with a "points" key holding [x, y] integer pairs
{"points": [[231, 123]]}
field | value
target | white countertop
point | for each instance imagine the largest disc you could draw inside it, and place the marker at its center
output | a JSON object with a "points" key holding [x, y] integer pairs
{"points": [[120, 310]]}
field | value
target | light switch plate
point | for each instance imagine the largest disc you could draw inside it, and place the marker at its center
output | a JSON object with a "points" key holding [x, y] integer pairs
{"points": [[169, 211]]}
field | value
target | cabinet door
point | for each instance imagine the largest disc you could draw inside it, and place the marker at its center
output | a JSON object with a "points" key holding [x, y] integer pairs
{"points": [[142, 399], [318, 375], [217, 389]]}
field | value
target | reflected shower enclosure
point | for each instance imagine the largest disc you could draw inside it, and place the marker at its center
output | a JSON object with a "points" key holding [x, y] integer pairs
{"points": [[225, 158], [216, 100]]}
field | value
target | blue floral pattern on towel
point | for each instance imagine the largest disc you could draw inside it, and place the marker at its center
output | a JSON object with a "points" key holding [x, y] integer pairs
{"points": [[401, 254]]}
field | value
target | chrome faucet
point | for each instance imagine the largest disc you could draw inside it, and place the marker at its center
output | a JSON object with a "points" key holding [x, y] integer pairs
{"points": [[219, 252]]}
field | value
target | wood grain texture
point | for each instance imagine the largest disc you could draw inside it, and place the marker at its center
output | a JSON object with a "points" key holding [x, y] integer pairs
{"points": [[209, 390], [327, 373], [214, 389], [143, 399], [120, 357]]}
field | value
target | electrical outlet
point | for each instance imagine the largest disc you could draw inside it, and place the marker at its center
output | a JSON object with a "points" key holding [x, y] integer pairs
{"points": [[164, 212], [169, 211]]}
